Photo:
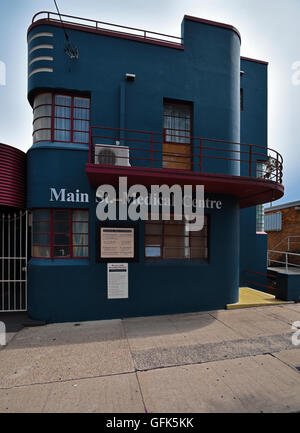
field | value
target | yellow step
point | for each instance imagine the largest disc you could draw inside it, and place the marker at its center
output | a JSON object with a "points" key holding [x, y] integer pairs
{"points": [[254, 298]]}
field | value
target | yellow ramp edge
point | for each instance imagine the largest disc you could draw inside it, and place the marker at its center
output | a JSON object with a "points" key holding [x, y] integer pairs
{"points": [[254, 298]]}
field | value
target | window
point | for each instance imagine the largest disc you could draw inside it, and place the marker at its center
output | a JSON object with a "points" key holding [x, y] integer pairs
{"points": [[59, 117], [171, 240], [260, 218], [60, 233], [177, 122], [273, 222], [177, 126]]}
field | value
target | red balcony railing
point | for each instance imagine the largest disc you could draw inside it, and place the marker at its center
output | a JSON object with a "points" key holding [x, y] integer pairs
{"points": [[113, 28], [176, 150]]}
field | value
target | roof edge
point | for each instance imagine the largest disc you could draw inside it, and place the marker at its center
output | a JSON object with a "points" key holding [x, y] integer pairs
{"points": [[249, 59], [283, 206], [213, 23]]}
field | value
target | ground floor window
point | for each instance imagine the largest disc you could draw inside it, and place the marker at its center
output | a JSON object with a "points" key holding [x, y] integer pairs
{"points": [[171, 240], [60, 233]]}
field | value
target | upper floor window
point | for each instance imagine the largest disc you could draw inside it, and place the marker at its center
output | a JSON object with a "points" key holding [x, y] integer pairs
{"points": [[59, 117], [177, 124]]}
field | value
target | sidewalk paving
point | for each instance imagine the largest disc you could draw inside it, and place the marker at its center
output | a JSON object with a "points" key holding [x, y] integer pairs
{"points": [[217, 361]]}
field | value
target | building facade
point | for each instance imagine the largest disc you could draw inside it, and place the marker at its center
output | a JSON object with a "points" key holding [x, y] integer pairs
{"points": [[111, 103], [282, 223]]}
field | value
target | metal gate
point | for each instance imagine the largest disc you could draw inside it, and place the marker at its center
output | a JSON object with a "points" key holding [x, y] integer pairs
{"points": [[13, 261]]}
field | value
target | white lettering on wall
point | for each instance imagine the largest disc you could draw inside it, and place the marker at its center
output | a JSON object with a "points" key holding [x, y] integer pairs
{"points": [[63, 195]]}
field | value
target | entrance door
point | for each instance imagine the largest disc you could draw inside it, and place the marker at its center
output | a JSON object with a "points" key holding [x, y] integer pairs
{"points": [[13, 261], [177, 125]]}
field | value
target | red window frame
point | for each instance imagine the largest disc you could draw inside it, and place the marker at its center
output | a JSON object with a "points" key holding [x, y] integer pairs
{"points": [[70, 233], [53, 129], [163, 236]]}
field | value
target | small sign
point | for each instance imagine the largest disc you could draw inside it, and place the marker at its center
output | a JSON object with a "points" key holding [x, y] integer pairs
{"points": [[117, 280], [117, 242]]}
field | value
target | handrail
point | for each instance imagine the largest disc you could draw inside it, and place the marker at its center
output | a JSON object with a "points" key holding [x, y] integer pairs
{"points": [[146, 148], [286, 263], [174, 39], [288, 239]]}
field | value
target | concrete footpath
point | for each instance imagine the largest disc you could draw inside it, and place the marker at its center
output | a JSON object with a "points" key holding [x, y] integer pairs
{"points": [[218, 361]]}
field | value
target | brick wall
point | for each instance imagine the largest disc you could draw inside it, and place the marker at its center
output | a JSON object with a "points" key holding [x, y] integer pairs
{"points": [[290, 227]]}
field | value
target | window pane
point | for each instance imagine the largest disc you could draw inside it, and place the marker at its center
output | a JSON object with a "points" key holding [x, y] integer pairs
{"points": [[61, 239], [199, 253], [177, 122], [80, 215], [41, 227], [63, 100], [81, 113], [80, 251], [153, 251], [198, 241], [153, 229], [81, 137], [62, 124], [61, 215], [176, 241], [153, 240], [61, 226], [63, 132], [62, 136], [44, 98], [175, 229], [41, 215], [61, 251], [80, 239], [41, 238], [81, 125], [80, 227], [41, 251], [82, 102], [63, 112], [43, 110], [61, 222], [44, 122], [42, 135], [174, 253]]}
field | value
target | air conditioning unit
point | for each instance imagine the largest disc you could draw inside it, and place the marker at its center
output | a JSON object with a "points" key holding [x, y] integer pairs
{"points": [[107, 154]]}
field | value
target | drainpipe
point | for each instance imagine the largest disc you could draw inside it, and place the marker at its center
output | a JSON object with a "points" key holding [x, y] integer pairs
{"points": [[122, 112]]}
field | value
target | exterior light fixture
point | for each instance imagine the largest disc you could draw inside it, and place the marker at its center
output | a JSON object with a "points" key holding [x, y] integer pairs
{"points": [[130, 77]]}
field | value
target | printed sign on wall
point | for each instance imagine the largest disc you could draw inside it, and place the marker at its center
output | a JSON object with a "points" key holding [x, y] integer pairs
{"points": [[117, 280], [117, 242]]}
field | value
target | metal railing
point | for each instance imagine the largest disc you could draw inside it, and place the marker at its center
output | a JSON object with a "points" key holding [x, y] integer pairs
{"points": [[289, 242], [101, 25], [286, 262], [172, 149]]}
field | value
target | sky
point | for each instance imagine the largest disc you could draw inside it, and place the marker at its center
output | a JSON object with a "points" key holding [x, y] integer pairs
{"points": [[270, 31]]}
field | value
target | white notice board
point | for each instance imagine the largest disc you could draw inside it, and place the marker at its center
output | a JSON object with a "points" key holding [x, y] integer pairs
{"points": [[117, 242], [117, 280]]}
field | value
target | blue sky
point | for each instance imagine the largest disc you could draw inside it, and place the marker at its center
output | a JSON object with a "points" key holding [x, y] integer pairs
{"points": [[270, 31]]}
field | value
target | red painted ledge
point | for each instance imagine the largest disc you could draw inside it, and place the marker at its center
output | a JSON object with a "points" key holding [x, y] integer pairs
{"points": [[251, 191]]}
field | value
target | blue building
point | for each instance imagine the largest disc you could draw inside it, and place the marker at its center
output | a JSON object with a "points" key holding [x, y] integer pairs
{"points": [[110, 103]]}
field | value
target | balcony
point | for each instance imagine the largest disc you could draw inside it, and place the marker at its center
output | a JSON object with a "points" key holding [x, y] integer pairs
{"points": [[251, 172], [104, 28]]}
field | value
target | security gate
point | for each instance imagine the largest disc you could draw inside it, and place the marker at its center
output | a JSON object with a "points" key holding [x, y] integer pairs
{"points": [[13, 261]]}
